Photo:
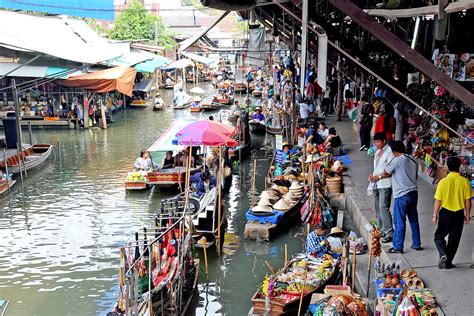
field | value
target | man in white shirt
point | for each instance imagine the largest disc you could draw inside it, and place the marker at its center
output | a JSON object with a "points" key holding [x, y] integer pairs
{"points": [[383, 192], [304, 108]]}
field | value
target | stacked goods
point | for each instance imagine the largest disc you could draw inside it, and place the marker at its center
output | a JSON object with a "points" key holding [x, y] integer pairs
{"points": [[135, 177], [375, 246]]}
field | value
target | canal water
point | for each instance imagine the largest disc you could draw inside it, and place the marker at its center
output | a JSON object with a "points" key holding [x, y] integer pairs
{"points": [[61, 228]]}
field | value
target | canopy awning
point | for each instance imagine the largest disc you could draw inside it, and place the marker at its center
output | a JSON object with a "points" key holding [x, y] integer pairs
{"points": [[179, 64], [144, 85], [58, 36], [165, 142], [152, 64], [201, 59], [121, 79]]}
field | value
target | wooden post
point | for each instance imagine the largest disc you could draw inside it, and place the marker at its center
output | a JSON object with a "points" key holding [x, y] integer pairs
{"points": [[204, 244], [354, 264], [219, 215], [269, 266], [286, 254], [16, 101], [6, 167], [85, 107], [30, 133], [253, 181], [340, 88], [369, 268], [102, 114]]}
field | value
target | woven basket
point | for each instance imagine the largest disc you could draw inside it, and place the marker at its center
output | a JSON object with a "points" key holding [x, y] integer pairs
{"points": [[334, 185]]}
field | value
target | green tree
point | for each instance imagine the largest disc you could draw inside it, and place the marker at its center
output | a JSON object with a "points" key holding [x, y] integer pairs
{"points": [[136, 23]]}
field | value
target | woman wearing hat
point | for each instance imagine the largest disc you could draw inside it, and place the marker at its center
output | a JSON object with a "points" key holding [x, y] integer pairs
{"points": [[258, 115]]}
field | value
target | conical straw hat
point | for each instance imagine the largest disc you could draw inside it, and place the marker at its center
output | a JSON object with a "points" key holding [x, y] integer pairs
{"points": [[270, 195], [281, 205], [264, 201], [262, 208], [295, 185]]}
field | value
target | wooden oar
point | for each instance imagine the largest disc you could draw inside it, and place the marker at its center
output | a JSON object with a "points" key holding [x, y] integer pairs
{"points": [[302, 291], [253, 181]]}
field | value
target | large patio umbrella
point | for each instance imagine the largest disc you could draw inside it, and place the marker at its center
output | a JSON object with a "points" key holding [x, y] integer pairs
{"points": [[213, 126], [205, 137]]}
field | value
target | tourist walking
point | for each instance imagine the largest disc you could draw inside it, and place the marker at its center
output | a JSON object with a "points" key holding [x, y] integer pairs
{"points": [[383, 191], [366, 122], [452, 207], [404, 172]]}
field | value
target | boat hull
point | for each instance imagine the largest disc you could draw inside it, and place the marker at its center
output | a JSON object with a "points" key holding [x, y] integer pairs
{"points": [[274, 130], [257, 128], [29, 158]]}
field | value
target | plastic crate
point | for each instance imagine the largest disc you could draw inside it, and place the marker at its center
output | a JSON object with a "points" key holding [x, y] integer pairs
{"points": [[382, 292]]}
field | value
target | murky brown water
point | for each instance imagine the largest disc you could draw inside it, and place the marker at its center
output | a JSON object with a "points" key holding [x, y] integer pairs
{"points": [[61, 230]]}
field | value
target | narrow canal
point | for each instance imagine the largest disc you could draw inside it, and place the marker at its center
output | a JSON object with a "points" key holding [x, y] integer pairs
{"points": [[61, 229]]}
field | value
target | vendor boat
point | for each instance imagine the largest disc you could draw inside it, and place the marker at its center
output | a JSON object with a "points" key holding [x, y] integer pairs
{"points": [[204, 214], [195, 109], [264, 222], [159, 278], [274, 130], [257, 93], [29, 158], [159, 106], [226, 100], [209, 105], [240, 87], [288, 286], [185, 103], [257, 127], [136, 181], [6, 184], [139, 103], [243, 150]]}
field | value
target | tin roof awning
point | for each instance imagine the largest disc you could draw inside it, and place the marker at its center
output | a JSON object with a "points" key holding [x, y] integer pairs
{"points": [[179, 64], [145, 85], [201, 59], [190, 41]]}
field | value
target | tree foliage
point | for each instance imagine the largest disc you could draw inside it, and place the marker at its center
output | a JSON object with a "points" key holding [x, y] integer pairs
{"points": [[136, 23]]}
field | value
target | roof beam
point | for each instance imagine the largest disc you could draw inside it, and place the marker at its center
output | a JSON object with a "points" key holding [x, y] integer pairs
{"points": [[401, 48]]}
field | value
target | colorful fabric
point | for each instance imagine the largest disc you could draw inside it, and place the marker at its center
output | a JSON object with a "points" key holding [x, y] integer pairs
{"points": [[271, 219]]}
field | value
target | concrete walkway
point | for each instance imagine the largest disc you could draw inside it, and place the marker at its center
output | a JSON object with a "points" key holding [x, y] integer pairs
{"points": [[454, 288]]}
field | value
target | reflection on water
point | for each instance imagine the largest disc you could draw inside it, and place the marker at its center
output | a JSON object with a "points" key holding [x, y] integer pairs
{"points": [[61, 230]]}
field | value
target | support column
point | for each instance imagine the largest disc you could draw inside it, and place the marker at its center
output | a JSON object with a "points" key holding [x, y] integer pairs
{"points": [[85, 107], [339, 108], [304, 44], [16, 101]]}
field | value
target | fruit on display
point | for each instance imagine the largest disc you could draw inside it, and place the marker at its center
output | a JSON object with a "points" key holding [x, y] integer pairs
{"points": [[135, 176], [376, 247]]}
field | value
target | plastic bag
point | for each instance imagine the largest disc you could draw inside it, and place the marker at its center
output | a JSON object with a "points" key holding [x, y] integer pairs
{"points": [[335, 243], [371, 188], [407, 308]]}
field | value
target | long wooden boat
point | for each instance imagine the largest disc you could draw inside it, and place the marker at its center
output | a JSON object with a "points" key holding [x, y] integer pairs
{"points": [[240, 151], [159, 106], [136, 182], [140, 103], [285, 302], [29, 158], [6, 184], [257, 93], [240, 87], [224, 101], [210, 106], [197, 109], [171, 178], [266, 231], [257, 128], [274, 130]]}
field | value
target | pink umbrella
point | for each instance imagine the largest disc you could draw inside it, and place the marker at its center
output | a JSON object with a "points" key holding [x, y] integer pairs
{"points": [[206, 137], [209, 125]]}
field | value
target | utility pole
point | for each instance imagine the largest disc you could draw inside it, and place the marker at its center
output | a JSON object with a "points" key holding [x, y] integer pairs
{"points": [[16, 101]]}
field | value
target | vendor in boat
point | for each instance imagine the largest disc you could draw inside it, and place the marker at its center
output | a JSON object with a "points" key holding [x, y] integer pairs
{"points": [[183, 160], [158, 99], [169, 161], [143, 163], [316, 242], [196, 102], [258, 116], [169, 82], [235, 109], [204, 182], [287, 153]]}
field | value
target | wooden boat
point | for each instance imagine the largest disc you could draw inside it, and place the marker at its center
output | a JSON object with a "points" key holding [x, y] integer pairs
{"points": [[287, 302], [240, 151], [274, 130], [227, 100], [196, 109], [188, 100], [257, 93], [30, 157], [240, 87], [204, 215], [209, 105], [266, 231], [6, 184], [140, 103], [159, 106], [256, 127], [136, 181]]}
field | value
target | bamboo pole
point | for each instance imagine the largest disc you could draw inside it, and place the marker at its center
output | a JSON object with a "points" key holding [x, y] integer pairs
{"points": [[253, 181], [302, 291], [354, 264], [269, 266], [6, 168], [369, 268], [204, 244], [219, 203], [286, 254]]}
